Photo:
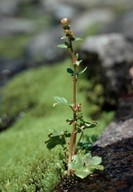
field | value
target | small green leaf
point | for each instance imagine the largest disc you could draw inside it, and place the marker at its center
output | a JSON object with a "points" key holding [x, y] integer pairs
{"points": [[60, 101], [57, 138], [78, 39], [64, 37], [77, 56], [64, 46], [53, 141], [78, 62], [90, 124], [96, 160], [70, 71], [69, 121], [79, 73]]}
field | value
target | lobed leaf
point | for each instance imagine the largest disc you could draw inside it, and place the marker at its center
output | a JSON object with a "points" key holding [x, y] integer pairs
{"points": [[57, 138], [53, 141], [83, 165]]}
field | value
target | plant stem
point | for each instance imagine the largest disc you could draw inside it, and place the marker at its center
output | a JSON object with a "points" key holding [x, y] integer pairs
{"points": [[72, 143]]}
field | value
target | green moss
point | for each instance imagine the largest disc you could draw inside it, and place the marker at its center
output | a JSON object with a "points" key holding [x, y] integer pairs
{"points": [[26, 164], [12, 47]]}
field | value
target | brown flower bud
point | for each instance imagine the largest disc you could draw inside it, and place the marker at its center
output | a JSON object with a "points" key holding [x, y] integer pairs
{"points": [[67, 31], [71, 34], [65, 21]]}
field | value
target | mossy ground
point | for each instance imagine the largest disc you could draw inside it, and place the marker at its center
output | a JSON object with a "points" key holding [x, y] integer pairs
{"points": [[26, 164]]}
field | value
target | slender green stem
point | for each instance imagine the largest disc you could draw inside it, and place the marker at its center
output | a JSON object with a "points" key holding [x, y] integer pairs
{"points": [[72, 143]]}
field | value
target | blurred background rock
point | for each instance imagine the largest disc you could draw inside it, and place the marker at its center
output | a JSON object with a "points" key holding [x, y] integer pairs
{"points": [[30, 31]]}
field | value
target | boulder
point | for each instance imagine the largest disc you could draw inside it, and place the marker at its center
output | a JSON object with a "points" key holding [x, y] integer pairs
{"points": [[116, 131], [14, 26], [59, 10], [87, 19], [94, 3], [43, 47], [8, 8], [123, 24], [111, 57], [9, 67], [11, 8]]}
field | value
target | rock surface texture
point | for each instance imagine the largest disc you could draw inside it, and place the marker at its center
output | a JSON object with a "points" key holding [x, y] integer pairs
{"points": [[109, 55], [123, 24]]}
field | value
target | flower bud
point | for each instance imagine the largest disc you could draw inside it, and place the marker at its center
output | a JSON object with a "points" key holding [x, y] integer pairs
{"points": [[65, 21], [71, 34], [67, 31]]}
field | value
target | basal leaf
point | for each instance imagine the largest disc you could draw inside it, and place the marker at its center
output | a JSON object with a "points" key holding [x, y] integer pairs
{"points": [[76, 162], [83, 172], [96, 160], [83, 165]]}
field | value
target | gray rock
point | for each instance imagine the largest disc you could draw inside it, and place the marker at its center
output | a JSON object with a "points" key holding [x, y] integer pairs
{"points": [[116, 131], [86, 20], [13, 26], [59, 10], [78, 3], [123, 24], [44, 46], [8, 7], [9, 68], [111, 55], [94, 3]]}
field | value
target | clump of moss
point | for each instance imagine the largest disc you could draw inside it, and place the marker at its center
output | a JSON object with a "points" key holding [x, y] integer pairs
{"points": [[9, 49]]}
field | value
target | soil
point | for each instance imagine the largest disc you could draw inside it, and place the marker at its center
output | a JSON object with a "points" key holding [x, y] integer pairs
{"points": [[117, 155]]}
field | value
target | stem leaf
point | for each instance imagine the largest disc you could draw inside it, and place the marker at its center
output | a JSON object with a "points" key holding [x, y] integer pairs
{"points": [[60, 101], [90, 124], [64, 37], [78, 39], [77, 56], [70, 71], [57, 138], [79, 73], [63, 46], [78, 62]]}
